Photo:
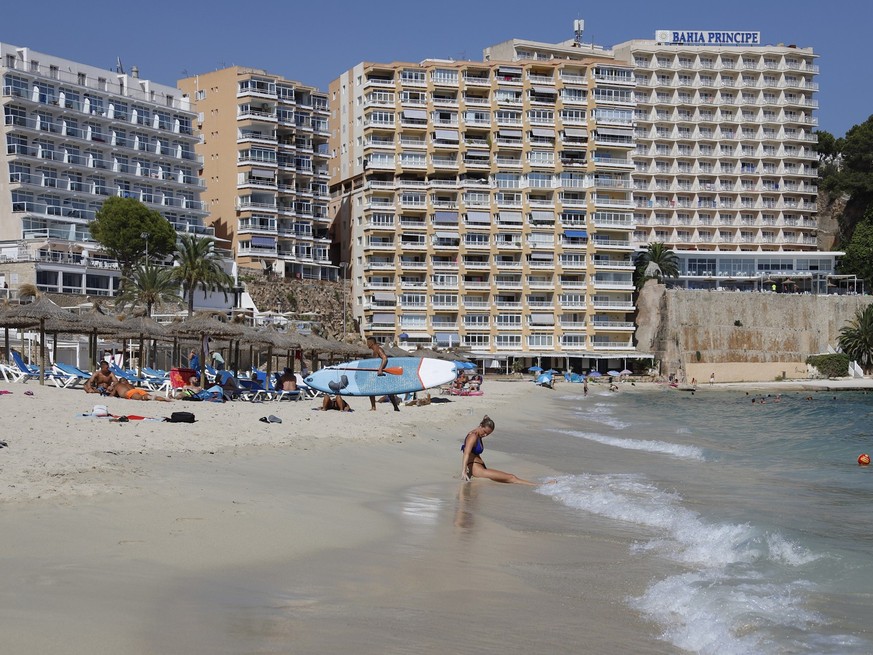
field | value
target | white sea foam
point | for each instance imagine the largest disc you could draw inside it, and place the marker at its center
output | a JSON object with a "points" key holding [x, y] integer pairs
{"points": [[731, 568], [663, 447], [603, 413]]}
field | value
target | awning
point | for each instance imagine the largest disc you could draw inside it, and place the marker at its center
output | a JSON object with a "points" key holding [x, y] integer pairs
{"points": [[447, 235], [509, 70], [264, 242], [541, 216], [541, 131], [545, 90], [511, 217], [576, 131], [445, 217], [542, 319], [447, 135], [384, 297], [383, 317], [263, 172], [517, 134], [447, 337], [576, 234], [415, 113], [611, 131], [478, 217], [479, 153], [417, 335], [543, 256]]}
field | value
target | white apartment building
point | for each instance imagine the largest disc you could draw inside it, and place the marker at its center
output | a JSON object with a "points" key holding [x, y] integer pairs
{"points": [[74, 135], [489, 204], [724, 161], [264, 151]]}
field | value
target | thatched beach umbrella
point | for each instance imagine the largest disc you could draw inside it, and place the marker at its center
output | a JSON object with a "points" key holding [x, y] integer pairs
{"points": [[8, 321], [200, 326], [39, 311], [142, 327]]}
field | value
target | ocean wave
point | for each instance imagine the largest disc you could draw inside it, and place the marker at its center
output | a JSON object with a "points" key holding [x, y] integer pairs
{"points": [[662, 447]]}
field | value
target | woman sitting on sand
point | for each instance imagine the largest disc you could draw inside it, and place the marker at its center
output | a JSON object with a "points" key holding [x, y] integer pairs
{"points": [[472, 465]]}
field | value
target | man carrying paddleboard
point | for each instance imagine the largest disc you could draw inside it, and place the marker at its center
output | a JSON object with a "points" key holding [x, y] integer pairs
{"points": [[373, 345]]}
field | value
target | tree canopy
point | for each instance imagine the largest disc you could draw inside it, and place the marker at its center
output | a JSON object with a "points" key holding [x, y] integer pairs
{"points": [[858, 259], [657, 261], [119, 227], [856, 338], [150, 285], [199, 267]]}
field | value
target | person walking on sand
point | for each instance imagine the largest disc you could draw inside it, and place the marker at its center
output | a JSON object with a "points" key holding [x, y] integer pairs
{"points": [[373, 345], [711, 379], [472, 465]]}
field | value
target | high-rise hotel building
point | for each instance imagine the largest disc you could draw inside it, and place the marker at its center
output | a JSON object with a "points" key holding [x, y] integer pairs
{"points": [[73, 136], [265, 167], [724, 160], [489, 204]]}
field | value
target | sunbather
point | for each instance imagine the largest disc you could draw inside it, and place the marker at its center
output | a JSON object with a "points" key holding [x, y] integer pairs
{"points": [[335, 402], [103, 381], [193, 387], [123, 389]]}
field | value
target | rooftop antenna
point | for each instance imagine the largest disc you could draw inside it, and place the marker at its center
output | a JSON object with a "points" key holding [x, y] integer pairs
{"points": [[578, 28], [118, 67]]}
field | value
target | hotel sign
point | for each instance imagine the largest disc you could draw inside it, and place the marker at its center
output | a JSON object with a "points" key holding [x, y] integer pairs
{"points": [[707, 37]]}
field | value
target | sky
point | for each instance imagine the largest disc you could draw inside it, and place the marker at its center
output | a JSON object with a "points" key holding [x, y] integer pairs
{"points": [[313, 42]]}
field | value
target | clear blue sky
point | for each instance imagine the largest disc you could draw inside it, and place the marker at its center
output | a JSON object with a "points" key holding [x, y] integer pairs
{"points": [[313, 42]]}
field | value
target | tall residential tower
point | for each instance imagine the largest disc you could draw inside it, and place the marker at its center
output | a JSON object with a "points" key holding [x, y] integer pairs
{"points": [[488, 204], [75, 135], [264, 150]]}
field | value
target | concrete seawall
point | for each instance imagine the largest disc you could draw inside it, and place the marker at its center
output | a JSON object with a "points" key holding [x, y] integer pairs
{"points": [[739, 336]]}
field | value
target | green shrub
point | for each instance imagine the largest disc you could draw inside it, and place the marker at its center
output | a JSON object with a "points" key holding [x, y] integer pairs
{"points": [[831, 366]]}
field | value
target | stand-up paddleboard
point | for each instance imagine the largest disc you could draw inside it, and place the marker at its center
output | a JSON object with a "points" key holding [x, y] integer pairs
{"points": [[403, 375]]}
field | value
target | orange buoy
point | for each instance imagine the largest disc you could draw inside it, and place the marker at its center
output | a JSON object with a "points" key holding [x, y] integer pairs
{"points": [[863, 459]]}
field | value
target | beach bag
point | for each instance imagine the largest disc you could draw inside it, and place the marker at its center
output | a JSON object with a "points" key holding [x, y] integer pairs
{"points": [[181, 417]]}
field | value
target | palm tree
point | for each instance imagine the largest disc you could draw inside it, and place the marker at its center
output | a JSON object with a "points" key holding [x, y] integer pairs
{"points": [[656, 262], [856, 338], [150, 285], [199, 267]]}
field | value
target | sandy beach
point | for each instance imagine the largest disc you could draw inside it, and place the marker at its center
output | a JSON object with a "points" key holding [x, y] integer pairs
{"points": [[328, 532]]}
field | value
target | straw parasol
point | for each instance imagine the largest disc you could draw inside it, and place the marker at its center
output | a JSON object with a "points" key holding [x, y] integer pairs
{"points": [[8, 321], [142, 327], [39, 311], [202, 326]]}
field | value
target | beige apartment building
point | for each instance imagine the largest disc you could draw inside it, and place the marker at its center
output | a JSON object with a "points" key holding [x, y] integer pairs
{"points": [[264, 149], [489, 204], [724, 161]]}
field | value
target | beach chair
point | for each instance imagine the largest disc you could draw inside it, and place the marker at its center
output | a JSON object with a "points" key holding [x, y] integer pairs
{"points": [[239, 390], [305, 390], [261, 386], [67, 376], [11, 373], [23, 371], [156, 380], [281, 394]]}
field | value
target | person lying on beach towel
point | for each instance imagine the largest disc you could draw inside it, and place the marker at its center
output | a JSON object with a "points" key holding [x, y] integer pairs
{"points": [[123, 389]]}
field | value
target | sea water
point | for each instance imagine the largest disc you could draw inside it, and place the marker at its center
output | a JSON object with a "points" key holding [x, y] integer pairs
{"points": [[756, 515]]}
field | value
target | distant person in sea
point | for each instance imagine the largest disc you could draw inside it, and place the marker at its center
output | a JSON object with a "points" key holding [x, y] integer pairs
{"points": [[374, 346], [585, 386], [103, 380], [472, 465], [124, 389]]}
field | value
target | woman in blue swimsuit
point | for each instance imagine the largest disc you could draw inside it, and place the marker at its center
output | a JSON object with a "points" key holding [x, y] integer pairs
{"points": [[472, 465]]}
